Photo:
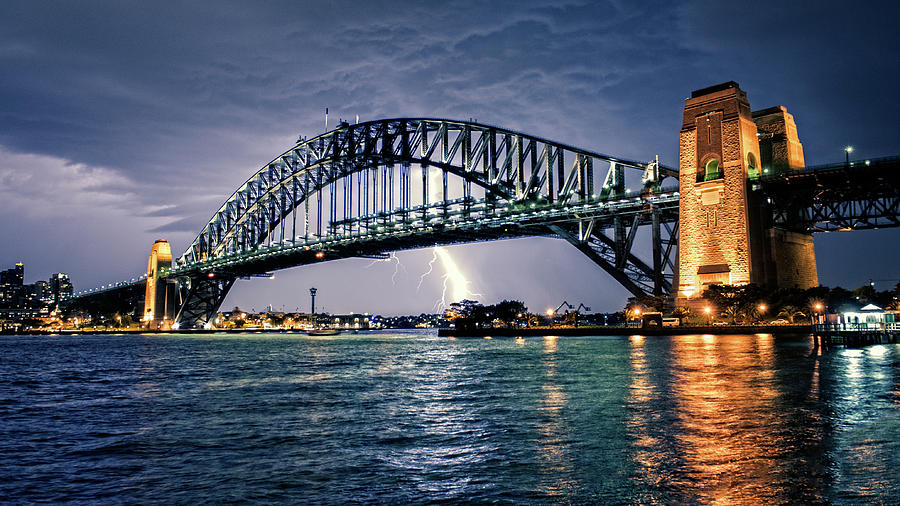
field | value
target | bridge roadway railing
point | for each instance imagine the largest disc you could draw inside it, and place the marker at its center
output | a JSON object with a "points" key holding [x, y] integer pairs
{"points": [[435, 224], [104, 289], [892, 161]]}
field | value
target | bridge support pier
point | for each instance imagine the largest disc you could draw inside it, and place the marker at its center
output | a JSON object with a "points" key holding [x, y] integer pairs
{"points": [[727, 233], [159, 300], [200, 299]]}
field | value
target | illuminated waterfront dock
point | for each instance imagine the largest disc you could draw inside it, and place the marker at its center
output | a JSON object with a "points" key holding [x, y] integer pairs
{"points": [[856, 334]]}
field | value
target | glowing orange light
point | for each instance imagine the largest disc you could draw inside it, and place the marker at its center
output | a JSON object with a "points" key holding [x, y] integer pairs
{"points": [[707, 309], [320, 254]]}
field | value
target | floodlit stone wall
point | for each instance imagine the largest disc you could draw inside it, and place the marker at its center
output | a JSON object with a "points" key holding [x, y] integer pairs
{"points": [[795, 259], [725, 236], [778, 140], [714, 243]]}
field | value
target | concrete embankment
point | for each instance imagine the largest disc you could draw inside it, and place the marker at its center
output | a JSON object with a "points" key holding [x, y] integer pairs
{"points": [[627, 331]]}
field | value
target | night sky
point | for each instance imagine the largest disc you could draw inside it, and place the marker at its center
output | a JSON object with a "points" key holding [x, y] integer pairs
{"points": [[125, 122]]}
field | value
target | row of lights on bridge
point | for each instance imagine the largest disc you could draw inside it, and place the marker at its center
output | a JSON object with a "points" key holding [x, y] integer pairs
{"points": [[319, 254], [111, 285]]}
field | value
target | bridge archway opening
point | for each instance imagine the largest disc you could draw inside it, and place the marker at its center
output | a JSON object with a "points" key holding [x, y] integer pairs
{"points": [[532, 269]]}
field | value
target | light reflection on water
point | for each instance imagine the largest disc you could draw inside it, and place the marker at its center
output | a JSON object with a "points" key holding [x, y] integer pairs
{"points": [[718, 441], [414, 417], [554, 442]]}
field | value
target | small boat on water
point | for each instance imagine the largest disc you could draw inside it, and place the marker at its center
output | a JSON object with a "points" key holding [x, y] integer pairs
{"points": [[323, 332]]}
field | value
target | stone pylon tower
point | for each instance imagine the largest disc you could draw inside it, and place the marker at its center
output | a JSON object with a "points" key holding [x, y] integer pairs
{"points": [[726, 235], [159, 301]]}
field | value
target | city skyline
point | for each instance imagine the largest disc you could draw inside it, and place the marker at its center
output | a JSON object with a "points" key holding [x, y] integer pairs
{"points": [[123, 125]]}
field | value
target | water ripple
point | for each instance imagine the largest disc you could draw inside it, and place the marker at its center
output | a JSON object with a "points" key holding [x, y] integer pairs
{"points": [[414, 418]]}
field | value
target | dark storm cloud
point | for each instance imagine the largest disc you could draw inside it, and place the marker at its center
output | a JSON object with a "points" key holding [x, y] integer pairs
{"points": [[164, 95], [176, 104], [834, 65]]}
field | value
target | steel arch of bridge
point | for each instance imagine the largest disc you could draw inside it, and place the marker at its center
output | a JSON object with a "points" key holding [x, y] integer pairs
{"points": [[527, 186], [510, 165]]}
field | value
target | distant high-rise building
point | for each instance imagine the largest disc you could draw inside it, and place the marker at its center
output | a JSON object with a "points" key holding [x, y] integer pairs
{"points": [[14, 276], [60, 287], [12, 289], [40, 293]]}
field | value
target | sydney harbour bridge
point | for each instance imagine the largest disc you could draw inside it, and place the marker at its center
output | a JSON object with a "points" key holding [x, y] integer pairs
{"points": [[368, 189]]}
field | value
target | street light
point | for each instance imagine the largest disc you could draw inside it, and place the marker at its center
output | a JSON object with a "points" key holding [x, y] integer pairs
{"points": [[708, 312], [847, 151]]}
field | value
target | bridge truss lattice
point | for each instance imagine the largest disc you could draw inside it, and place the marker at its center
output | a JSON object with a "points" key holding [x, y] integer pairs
{"points": [[380, 186]]}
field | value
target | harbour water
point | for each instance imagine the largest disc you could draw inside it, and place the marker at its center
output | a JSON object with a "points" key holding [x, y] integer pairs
{"points": [[411, 417]]}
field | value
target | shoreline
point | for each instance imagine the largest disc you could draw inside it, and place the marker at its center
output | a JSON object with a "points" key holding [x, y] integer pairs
{"points": [[486, 332], [628, 331], [252, 330]]}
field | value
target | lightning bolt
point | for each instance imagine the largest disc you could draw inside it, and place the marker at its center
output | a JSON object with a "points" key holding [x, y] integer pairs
{"points": [[397, 266], [453, 279], [430, 269], [441, 304]]}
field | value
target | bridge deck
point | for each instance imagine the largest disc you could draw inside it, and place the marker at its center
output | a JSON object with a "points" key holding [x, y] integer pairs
{"points": [[375, 234], [854, 195]]}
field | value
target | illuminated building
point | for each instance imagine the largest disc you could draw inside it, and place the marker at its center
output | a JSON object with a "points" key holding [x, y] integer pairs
{"points": [[42, 292], [12, 293], [15, 294], [60, 287], [726, 237]]}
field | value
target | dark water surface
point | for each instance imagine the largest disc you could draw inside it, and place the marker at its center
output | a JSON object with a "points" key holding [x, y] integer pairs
{"points": [[391, 418]]}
